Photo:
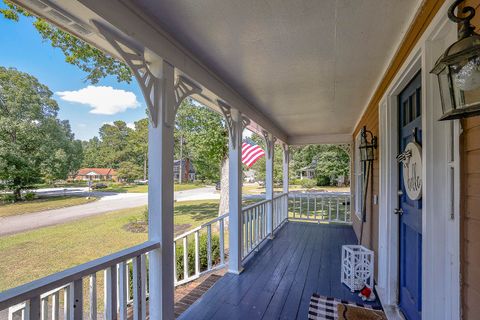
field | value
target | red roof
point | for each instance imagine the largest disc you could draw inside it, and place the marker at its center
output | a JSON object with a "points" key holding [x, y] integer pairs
{"points": [[98, 171]]}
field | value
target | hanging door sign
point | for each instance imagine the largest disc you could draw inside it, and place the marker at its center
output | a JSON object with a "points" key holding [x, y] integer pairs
{"points": [[411, 159]]}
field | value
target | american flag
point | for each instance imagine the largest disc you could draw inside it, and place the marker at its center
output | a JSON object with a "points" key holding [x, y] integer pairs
{"points": [[251, 153]]}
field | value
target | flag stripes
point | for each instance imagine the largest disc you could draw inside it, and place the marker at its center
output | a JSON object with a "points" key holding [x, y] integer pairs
{"points": [[251, 153]]}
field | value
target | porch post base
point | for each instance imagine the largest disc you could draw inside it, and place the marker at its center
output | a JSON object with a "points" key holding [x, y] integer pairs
{"points": [[235, 271]]}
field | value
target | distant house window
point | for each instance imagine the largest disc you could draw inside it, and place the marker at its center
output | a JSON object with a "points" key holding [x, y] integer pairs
{"points": [[359, 178]]}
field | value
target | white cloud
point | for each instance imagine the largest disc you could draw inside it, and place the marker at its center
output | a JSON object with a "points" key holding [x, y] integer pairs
{"points": [[131, 125], [102, 99]]}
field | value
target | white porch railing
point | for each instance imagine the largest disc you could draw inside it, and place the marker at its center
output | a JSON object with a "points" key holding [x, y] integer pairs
{"points": [[42, 299], [321, 206], [207, 231], [61, 295], [280, 210], [255, 224]]}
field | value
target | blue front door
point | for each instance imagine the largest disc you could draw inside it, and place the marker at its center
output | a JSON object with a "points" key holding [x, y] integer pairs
{"points": [[410, 240]]}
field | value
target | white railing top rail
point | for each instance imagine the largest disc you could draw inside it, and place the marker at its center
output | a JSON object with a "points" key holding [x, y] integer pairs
{"points": [[206, 224], [38, 287], [319, 193], [253, 205], [276, 196]]}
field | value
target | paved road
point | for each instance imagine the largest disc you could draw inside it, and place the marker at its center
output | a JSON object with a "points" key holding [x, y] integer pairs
{"points": [[107, 202]]}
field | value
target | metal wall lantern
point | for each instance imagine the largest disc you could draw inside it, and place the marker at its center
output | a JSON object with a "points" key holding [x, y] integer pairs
{"points": [[368, 144], [458, 69]]}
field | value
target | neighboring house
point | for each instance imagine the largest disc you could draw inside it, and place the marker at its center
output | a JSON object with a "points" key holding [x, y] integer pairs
{"points": [[308, 172], [249, 176], [95, 174], [188, 171]]}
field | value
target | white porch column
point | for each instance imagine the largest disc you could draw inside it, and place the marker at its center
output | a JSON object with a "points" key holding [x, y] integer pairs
{"points": [[163, 96], [270, 147], [286, 161], [235, 123], [160, 199]]}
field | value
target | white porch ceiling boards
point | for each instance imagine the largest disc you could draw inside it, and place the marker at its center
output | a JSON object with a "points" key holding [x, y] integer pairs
{"points": [[308, 66]]}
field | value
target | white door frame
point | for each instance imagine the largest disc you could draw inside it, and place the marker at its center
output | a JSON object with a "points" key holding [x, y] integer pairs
{"points": [[440, 233]]}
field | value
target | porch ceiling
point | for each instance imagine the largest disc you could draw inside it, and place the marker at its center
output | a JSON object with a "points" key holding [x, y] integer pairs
{"points": [[308, 66]]}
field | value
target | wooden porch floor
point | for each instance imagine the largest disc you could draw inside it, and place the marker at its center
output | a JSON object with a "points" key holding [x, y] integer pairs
{"points": [[278, 281]]}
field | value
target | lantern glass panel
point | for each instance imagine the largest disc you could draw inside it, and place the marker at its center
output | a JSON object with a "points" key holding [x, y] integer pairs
{"points": [[363, 153], [445, 93], [465, 77], [370, 153]]}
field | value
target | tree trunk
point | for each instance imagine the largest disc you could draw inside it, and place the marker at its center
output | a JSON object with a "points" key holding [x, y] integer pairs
{"points": [[17, 193], [223, 207]]}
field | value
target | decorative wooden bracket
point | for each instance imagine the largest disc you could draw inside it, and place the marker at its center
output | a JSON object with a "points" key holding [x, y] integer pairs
{"points": [[151, 85], [245, 122], [184, 87], [231, 123], [269, 143]]}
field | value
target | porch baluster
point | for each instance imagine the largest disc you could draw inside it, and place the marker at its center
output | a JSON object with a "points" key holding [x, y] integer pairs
{"points": [[209, 246], [67, 292], [110, 293], [122, 290], [175, 275], [44, 307], [222, 241], [92, 296], [197, 249], [185, 257], [55, 306], [338, 207]]}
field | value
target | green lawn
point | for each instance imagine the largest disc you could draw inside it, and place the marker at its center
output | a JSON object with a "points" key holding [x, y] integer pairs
{"points": [[34, 254], [256, 189], [144, 188], [47, 203]]}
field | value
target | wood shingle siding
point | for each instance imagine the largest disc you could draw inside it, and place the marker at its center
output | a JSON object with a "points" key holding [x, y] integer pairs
{"points": [[470, 208]]}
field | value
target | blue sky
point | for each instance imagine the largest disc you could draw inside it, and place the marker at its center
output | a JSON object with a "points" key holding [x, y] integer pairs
{"points": [[23, 49]]}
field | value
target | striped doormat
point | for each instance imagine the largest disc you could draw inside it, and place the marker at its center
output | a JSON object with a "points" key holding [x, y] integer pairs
{"points": [[326, 308]]}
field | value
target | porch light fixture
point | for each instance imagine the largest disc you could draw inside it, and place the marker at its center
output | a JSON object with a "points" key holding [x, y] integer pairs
{"points": [[368, 144], [458, 69]]}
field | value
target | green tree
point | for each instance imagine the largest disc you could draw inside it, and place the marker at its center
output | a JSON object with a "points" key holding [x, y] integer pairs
{"points": [[33, 143], [138, 145], [129, 171], [94, 62], [91, 154], [114, 148], [330, 161], [205, 138]]}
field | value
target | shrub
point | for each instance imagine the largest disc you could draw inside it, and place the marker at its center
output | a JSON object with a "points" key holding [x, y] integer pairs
{"points": [[8, 198], [202, 254], [296, 182], [145, 214], [29, 196], [323, 181], [308, 183]]}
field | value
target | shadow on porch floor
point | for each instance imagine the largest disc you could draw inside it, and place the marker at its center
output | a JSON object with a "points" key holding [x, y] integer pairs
{"points": [[278, 282]]}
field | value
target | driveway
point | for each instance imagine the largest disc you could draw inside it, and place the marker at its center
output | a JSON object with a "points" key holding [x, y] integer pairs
{"points": [[107, 202]]}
